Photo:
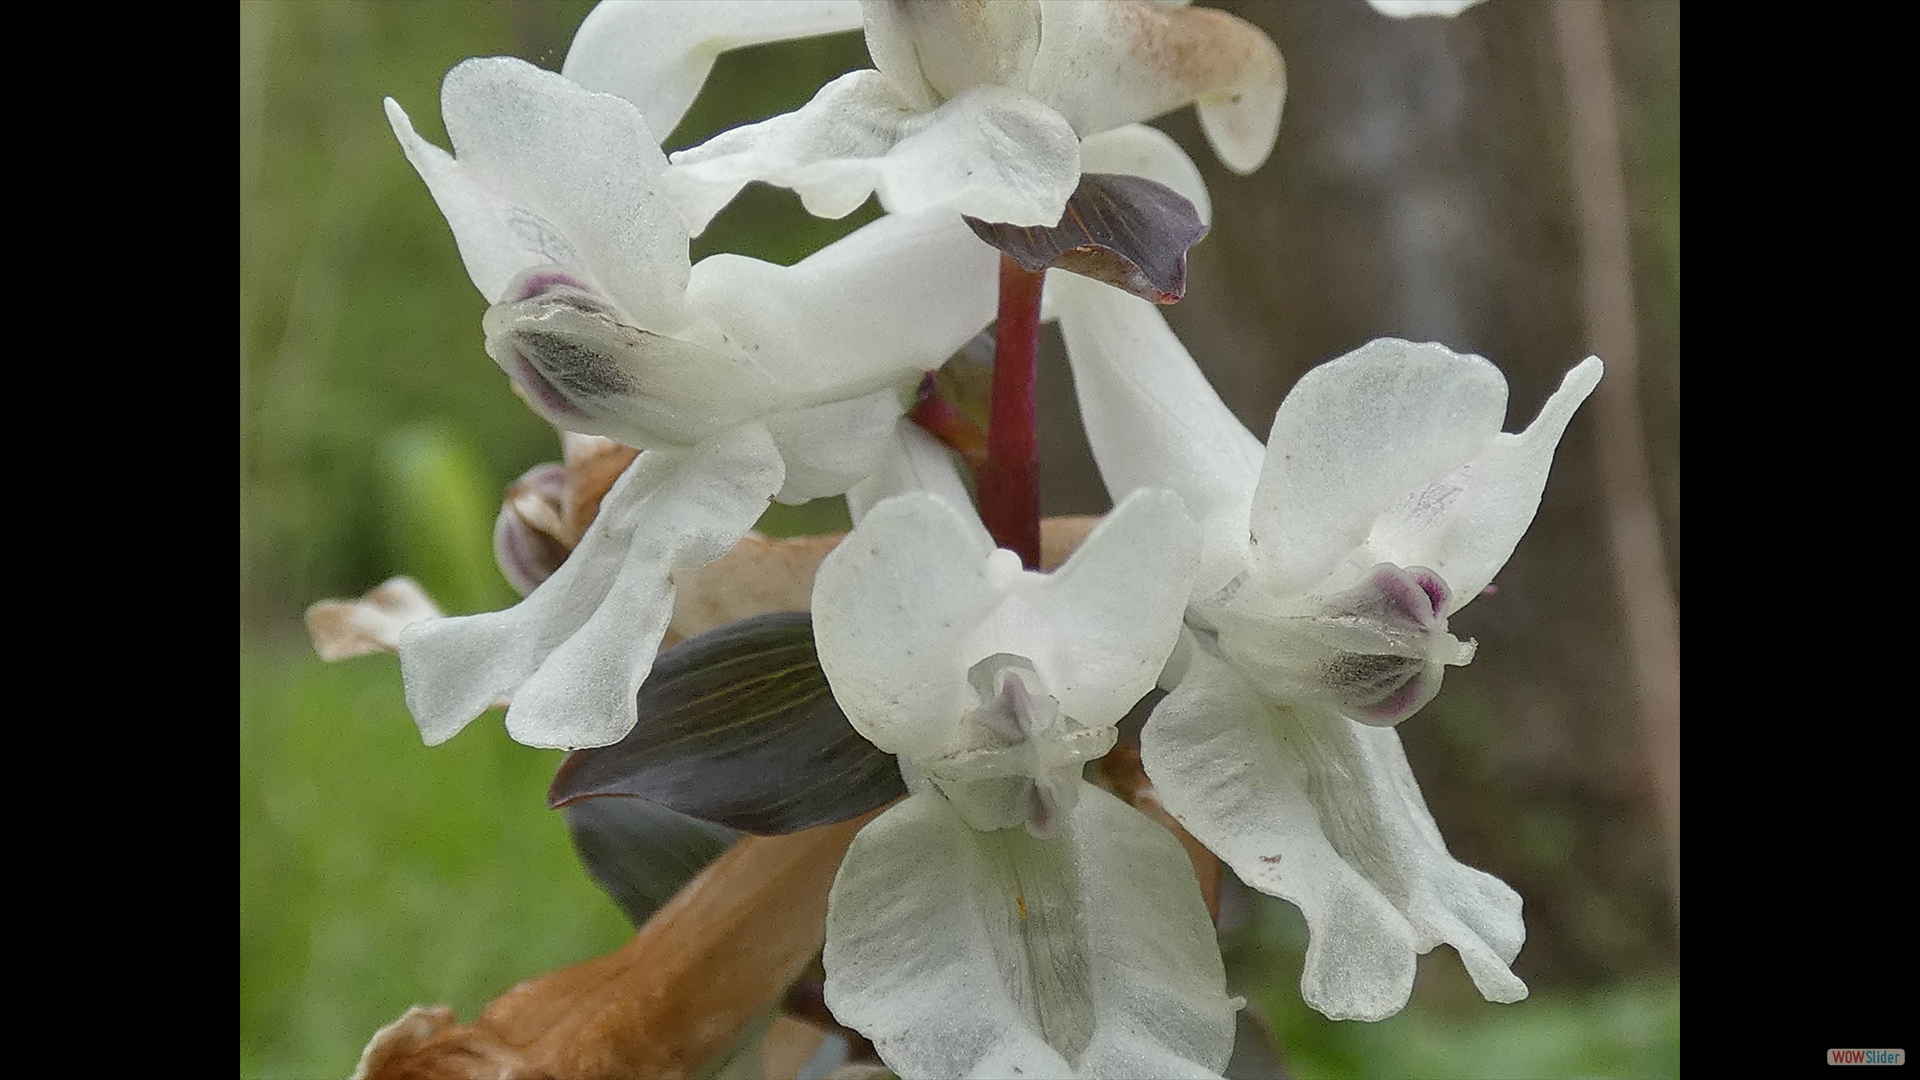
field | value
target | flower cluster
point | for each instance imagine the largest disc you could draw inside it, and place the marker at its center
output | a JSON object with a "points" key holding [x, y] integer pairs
{"points": [[1292, 599]]}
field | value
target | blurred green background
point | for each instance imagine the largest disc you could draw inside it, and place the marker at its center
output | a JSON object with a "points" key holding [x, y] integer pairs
{"points": [[1418, 189]]}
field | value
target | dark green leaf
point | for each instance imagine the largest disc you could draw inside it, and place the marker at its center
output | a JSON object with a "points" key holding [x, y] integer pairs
{"points": [[640, 852], [737, 727], [1127, 231]]}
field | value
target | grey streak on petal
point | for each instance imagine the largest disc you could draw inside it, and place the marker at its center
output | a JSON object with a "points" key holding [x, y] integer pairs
{"points": [[539, 237], [1359, 676], [577, 369]]}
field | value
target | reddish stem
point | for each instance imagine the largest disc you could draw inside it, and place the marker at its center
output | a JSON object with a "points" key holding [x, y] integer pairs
{"points": [[1010, 483], [939, 418]]}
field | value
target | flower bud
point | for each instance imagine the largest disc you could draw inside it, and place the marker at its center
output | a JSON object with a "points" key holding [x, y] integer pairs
{"points": [[530, 535]]}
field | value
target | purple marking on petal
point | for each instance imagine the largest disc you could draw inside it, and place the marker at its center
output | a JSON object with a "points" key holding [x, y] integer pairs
{"points": [[526, 554], [548, 399], [1412, 696], [999, 711], [1429, 581], [1014, 698], [1042, 809], [541, 279], [514, 554], [1405, 593], [550, 480]]}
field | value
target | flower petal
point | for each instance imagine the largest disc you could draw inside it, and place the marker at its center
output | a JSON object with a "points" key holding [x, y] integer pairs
{"points": [[829, 448], [1469, 543], [916, 461], [1394, 453], [1154, 421], [1407, 9], [1139, 150], [657, 53], [571, 656], [880, 307], [550, 174], [991, 153], [933, 52], [858, 116], [891, 605], [1311, 807], [1101, 627], [1090, 953], [1107, 64], [1356, 438]]}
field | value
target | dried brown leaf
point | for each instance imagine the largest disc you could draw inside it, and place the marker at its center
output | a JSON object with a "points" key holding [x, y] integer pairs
{"points": [[344, 628], [719, 954]]}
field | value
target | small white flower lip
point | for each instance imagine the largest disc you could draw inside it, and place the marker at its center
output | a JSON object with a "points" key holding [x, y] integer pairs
{"points": [[571, 656], [1310, 806], [1086, 953]]}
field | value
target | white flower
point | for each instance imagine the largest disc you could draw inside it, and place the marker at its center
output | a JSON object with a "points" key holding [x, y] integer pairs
{"points": [[1408, 9], [995, 682], [745, 380], [980, 106], [1009, 918], [1088, 953], [657, 53], [1386, 498]]}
